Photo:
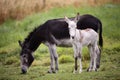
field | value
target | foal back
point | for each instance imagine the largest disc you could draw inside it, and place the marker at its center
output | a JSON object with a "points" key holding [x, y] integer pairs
{"points": [[88, 37]]}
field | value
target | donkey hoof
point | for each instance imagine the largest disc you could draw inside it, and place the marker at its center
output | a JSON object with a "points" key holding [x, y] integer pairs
{"points": [[54, 71], [95, 70]]}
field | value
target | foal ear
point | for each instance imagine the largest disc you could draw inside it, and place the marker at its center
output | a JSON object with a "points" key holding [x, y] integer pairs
{"points": [[20, 43], [77, 17], [66, 19]]}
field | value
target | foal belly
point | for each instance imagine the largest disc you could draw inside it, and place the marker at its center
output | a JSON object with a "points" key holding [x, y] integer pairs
{"points": [[87, 41]]}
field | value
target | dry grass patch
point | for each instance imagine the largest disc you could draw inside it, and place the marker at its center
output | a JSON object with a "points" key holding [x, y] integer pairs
{"points": [[18, 9]]}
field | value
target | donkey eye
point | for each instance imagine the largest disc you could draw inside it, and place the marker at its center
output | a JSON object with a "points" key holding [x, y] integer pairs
{"points": [[24, 56]]}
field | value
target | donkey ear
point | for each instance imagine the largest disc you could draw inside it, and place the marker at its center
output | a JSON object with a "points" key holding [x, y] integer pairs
{"points": [[20, 43], [77, 17], [66, 19]]}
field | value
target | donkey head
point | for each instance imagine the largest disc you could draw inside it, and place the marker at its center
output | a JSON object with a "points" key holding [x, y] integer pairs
{"points": [[26, 57], [72, 25]]}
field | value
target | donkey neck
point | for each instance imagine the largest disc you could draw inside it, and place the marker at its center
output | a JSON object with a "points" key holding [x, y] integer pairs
{"points": [[35, 39], [33, 44]]}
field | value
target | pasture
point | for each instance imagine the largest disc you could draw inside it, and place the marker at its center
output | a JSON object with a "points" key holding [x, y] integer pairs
{"points": [[11, 31]]}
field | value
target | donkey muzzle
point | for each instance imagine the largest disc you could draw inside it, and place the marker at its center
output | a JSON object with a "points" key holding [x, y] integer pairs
{"points": [[24, 69]]}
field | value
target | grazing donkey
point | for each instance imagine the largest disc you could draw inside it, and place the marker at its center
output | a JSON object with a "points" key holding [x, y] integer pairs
{"points": [[80, 38], [54, 33]]}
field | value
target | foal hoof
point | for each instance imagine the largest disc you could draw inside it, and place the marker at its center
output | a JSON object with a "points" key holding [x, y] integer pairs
{"points": [[80, 71], [89, 70], [49, 71], [75, 71], [52, 71]]}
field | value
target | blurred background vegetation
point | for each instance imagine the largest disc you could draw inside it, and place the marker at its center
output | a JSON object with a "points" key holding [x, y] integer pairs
{"points": [[19, 17], [18, 9]]}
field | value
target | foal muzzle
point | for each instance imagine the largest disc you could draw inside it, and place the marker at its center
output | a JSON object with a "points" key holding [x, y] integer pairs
{"points": [[72, 37]]}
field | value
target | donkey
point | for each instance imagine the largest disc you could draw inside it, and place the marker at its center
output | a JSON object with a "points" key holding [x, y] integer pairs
{"points": [[53, 33], [80, 38]]}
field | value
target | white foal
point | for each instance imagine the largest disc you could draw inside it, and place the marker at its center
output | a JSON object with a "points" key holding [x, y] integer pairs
{"points": [[80, 38]]}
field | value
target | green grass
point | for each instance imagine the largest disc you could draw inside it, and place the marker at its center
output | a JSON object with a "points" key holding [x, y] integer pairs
{"points": [[12, 31]]}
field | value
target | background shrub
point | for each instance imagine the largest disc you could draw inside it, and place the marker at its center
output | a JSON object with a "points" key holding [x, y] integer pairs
{"points": [[66, 58]]}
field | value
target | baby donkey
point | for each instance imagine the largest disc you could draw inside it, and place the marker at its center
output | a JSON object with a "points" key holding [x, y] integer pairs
{"points": [[80, 38]]}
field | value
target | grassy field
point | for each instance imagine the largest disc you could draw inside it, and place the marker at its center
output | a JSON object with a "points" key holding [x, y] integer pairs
{"points": [[11, 31]]}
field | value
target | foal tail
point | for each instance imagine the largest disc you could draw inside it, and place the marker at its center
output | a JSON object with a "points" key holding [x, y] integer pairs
{"points": [[100, 34]]}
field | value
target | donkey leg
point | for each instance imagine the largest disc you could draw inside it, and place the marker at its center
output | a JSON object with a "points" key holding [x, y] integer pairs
{"points": [[51, 64], [51, 70], [55, 58], [56, 63]]}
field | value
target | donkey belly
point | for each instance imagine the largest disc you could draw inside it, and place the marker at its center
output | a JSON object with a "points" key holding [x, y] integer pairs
{"points": [[64, 43]]}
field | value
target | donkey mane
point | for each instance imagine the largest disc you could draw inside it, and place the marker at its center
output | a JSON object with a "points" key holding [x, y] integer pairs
{"points": [[29, 36], [27, 39]]}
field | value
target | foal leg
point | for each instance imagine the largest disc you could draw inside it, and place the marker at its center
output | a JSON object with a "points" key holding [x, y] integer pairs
{"points": [[91, 58], [80, 61], [76, 67], [75, 57], [94, 57], [80, 56], [98, 53]]}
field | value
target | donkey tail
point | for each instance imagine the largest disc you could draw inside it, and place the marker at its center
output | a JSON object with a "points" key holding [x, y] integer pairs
{"points": [[100, 35]]}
